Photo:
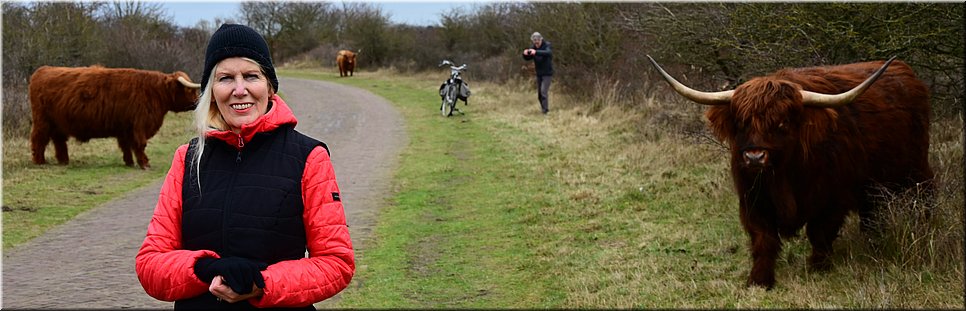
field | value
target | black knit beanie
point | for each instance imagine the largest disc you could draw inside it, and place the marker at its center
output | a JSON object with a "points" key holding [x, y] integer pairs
{"points": [[233, 40]]}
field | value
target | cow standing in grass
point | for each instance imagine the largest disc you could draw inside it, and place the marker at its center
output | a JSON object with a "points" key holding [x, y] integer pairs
{"points": [[347, 62], [810, 145], [98, 102]]}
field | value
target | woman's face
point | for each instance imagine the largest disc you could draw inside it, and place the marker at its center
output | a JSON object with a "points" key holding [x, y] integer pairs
{"points": [[241, 92]]}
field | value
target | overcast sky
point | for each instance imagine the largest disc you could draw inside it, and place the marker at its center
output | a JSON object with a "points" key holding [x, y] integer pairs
{"points": [[422, 13]]}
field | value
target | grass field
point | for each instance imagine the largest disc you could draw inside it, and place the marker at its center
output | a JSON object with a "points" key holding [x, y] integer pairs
{"points": [[39, 197], [593, 206]]}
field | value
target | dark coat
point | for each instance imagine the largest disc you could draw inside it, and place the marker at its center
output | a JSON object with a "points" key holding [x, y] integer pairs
{"points": [[543, 60]]}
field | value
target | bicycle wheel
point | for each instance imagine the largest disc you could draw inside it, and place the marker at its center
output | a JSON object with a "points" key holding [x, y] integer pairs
{"points": [[446, 107]]}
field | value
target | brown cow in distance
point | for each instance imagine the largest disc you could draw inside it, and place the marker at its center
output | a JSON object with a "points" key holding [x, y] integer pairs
{"points": [[810, 145], [98, 102], [347, 62]]}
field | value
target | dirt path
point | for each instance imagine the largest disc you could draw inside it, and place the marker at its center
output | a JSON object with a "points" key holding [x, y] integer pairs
{"points": [[89, 261]]}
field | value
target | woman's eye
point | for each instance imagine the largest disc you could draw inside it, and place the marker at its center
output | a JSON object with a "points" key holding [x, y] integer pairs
{"points": [[224, 78], [252, 77]]}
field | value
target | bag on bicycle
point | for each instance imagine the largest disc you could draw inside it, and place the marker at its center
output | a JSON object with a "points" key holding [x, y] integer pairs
{"points": [[464, 91]]}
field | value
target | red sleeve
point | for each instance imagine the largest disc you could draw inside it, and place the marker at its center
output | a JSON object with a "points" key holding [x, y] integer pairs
{"points": [[331, 261], [165, 270]]}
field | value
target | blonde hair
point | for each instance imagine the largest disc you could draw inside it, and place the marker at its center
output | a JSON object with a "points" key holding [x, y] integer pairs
{"points": [[208, 118]]}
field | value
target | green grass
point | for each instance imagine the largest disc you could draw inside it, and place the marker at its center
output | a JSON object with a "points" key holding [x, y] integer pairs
{"points": [[452, 235], [39, 197]]}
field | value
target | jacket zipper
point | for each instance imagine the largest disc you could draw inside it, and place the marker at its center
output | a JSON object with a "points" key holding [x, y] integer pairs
{"points": [[241, 143], [227, 210]]}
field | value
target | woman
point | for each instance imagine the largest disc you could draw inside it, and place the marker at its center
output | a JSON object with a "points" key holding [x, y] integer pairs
{"points": [[246, 199]]}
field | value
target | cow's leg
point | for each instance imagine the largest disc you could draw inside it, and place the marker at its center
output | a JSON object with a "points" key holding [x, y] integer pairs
{"points": [[39, 138], [821, 232], [126, 143], [765, 247], [762, 230], [140, 144], [60, 147]]}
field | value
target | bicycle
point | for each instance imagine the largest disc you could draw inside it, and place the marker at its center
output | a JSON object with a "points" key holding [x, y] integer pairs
{"points": [[453, 89]]}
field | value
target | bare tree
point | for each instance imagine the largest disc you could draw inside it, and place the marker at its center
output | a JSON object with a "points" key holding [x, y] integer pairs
{"points": [[291, 28], [365, 26]]}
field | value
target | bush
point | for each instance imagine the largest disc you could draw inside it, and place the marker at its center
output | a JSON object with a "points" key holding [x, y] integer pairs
{"points": [[16, 110]]}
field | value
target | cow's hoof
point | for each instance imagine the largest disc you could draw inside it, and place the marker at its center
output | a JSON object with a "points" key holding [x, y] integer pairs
{"points": [[766, 283]]}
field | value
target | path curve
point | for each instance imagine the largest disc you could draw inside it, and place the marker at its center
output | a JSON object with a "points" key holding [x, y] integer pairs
{"points": [[89, 261]]}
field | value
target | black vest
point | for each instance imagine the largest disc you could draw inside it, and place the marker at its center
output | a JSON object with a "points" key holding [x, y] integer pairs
{"points": [[251, 200], [250, 204]]}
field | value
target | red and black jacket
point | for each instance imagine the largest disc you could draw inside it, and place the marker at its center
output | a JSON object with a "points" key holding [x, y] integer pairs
{"points": [[267, 194]]}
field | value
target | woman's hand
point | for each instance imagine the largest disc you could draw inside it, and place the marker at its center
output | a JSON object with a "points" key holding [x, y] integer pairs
{"points": [[221, 290], [235, 272]]}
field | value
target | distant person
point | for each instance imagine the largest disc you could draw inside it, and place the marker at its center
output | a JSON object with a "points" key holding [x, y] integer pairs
{"points": [[246, 200], [542, 59]]}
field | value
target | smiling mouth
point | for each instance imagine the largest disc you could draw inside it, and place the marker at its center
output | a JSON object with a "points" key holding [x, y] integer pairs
{"points": [[241, 106]]}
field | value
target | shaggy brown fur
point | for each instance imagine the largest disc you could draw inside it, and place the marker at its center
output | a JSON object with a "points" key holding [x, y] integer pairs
{"points": [[347, 62], [98, 102], [821, 163]]}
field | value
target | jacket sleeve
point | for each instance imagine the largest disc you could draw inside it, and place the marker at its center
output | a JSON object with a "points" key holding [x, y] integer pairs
{"points": [[166, 271], [545, 51], [331, 261]]}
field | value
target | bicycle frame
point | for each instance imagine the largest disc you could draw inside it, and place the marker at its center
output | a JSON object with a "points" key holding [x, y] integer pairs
{"points": [[451, 88]]}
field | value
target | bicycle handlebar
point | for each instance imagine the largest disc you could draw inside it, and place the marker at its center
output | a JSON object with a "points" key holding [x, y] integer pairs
{"points": [[452, 66]]}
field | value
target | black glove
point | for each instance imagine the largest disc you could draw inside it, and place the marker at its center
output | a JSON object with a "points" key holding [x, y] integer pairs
{"points": [[239, 273]]}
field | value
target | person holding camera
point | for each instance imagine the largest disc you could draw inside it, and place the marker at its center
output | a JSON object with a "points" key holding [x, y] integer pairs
{"points": [[542, 59]]}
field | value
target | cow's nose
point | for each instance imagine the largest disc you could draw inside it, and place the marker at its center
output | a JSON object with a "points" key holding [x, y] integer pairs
{"points": [[756, 156]]}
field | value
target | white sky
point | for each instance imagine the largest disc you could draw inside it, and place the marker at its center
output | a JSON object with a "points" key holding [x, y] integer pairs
{"points": [[416, 13]]}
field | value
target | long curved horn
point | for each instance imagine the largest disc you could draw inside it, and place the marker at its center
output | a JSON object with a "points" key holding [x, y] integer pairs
{"points": [[187, 83], [831, 101], [704, 98]]}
